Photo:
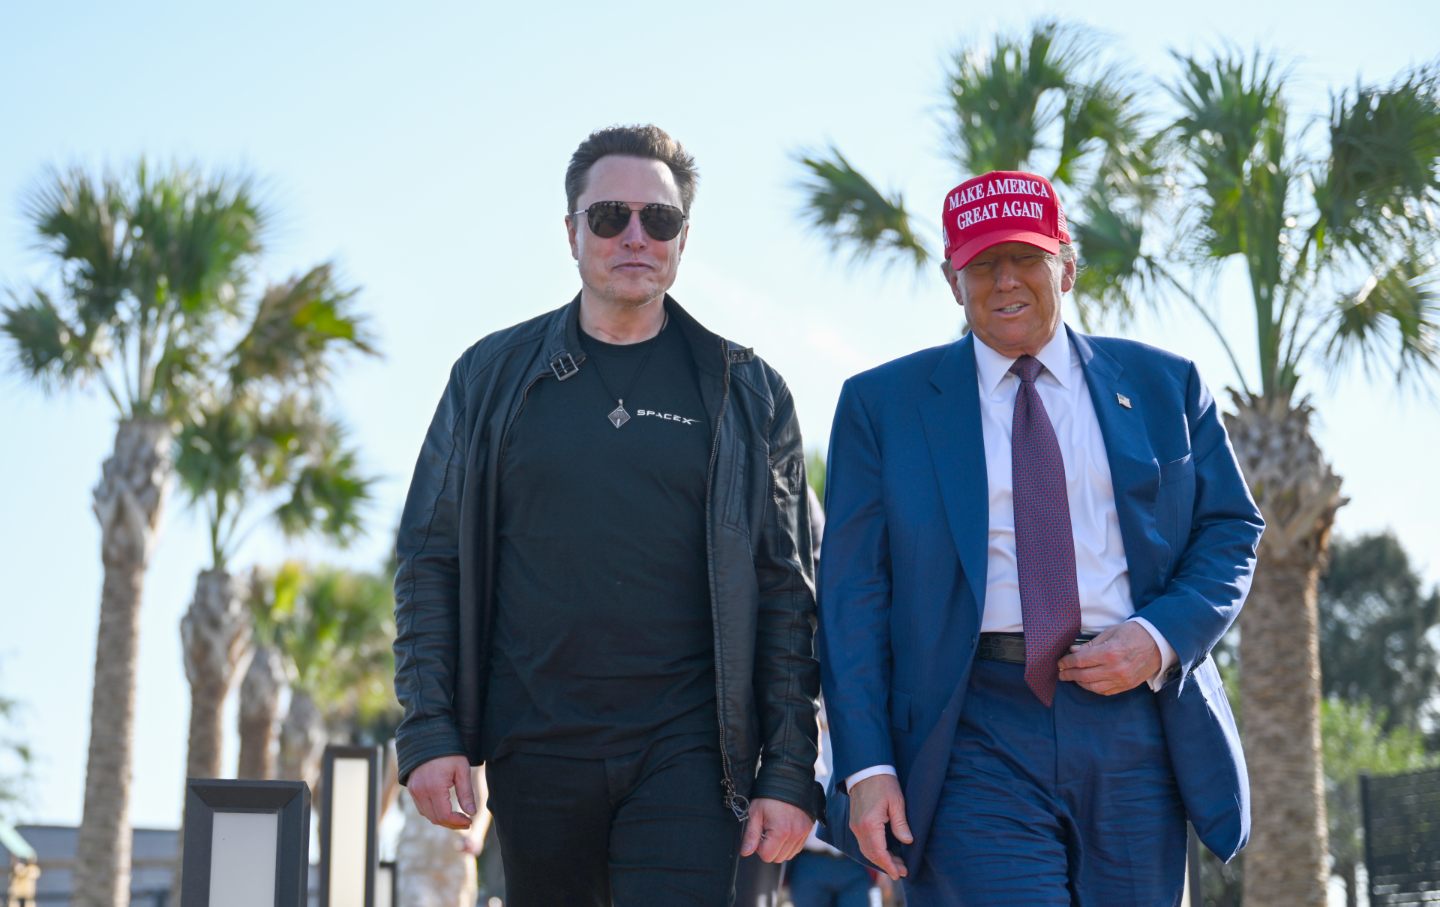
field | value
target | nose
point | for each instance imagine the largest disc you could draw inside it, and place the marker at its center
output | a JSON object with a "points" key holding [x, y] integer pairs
{"points": [[634, 237], [1007, 271]]}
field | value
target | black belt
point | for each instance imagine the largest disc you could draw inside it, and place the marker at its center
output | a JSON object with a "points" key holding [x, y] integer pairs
{"points": [[1010, 647]]}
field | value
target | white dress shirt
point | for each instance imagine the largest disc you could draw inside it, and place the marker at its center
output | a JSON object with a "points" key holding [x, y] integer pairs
{"points": [[1101, 572]]}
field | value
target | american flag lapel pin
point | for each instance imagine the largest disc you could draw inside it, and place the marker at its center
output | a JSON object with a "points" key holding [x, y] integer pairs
{"points": [[1123, 400]]}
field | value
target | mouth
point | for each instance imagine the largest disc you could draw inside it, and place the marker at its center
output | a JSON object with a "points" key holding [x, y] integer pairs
{"points": [[1013, 308], [633, 266]]}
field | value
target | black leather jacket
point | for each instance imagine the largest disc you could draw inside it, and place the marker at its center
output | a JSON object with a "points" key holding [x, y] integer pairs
{"points": [[757, 529]]}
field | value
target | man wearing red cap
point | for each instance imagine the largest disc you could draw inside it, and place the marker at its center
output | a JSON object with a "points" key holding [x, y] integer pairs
{"points": [[1035, 539]]}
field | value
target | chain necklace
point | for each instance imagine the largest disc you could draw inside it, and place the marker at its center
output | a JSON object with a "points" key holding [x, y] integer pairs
{"points": [[618, 416]]}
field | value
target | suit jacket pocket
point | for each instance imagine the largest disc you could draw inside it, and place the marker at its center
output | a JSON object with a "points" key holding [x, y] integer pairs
{"points": [[1176, 470], [1175, 501]]}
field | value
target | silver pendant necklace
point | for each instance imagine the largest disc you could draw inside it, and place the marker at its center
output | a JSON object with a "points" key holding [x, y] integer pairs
{"points": [[619, 416]]}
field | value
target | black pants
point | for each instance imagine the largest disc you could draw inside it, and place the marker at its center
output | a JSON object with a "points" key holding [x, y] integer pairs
{"points": [[645, 828]]}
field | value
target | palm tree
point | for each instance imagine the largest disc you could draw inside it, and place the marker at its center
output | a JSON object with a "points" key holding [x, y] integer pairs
{"points": [[146, 268], [332, 629], [251, 442], [1339, 248], [1047, 101]]}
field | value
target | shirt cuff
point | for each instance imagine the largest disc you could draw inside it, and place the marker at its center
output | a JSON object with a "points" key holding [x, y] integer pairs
{"points": [[870, 772], [1167, 654]]}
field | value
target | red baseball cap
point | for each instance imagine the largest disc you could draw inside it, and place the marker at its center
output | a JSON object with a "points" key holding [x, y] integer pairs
{"points": [[1001, 206]]}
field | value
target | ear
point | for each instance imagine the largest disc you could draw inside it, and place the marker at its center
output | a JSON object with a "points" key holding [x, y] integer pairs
{"points": [[684, 234], [570, 224], [953, 278], [1067, 276]]}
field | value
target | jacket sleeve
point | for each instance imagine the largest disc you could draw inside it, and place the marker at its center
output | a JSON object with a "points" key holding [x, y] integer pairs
{"points": [[787, 676], [855, 594], [1212, 574], [427, 589]]}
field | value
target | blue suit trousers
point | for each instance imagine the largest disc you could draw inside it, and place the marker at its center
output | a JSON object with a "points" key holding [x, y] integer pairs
{"points": [[1074, 806]]}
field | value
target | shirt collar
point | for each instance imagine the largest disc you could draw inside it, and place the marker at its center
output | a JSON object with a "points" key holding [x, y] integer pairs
{"points": [[991, 367]]}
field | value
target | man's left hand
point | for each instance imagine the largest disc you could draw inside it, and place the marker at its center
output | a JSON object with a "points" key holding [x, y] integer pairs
{"points": [[1120, 659], [776, 830]]}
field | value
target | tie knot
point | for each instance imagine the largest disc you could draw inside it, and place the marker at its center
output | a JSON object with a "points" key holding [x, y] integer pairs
{"points": [[1027, 369]]}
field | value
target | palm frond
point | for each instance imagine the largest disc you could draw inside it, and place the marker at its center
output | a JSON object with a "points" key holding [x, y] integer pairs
{"points": [[1392, 323], [846, 208], [1003, 98], [327, 492], [48, 347], [212, 447], [298, 329], [1381, 182], [1048, 98], [1239, 175], [1232, 135], [338, 636], [146, 267], [199, 234], [1116, 271], [1104, 112], [83, 222]]}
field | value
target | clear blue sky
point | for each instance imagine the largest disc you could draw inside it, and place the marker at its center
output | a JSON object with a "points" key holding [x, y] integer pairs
{"points": [[422, 147]]}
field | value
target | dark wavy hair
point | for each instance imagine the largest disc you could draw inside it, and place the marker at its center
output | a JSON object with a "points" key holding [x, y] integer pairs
{"points": [[631, 141]]}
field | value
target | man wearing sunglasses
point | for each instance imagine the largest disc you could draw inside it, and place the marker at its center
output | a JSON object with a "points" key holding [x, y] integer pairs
{"points": [[604, 590]]}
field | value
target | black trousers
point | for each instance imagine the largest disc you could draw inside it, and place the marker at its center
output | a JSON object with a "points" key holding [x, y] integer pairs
{"points": [[645, 828]]}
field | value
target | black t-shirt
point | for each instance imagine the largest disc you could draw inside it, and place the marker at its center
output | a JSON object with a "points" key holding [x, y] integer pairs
{"points": [[603, 636]]}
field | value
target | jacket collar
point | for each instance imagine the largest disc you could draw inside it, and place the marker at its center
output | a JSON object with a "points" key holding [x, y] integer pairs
{"points": [[564, 353]]}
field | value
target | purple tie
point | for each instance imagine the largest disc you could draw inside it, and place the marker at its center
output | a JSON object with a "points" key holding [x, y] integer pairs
{"points": [[1044, 545]]}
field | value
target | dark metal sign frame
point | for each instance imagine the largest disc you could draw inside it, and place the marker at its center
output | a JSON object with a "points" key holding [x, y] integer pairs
{"points": [[371, 756], [288, 800]]}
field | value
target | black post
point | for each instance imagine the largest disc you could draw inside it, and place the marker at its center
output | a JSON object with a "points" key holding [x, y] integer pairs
{"points": [[369, 756]]}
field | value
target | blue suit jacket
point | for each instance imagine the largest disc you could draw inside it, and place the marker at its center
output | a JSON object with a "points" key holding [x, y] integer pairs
{"points": [[902, 581]]}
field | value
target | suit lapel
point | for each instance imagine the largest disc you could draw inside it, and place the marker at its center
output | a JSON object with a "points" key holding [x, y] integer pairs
{"points": [[1119, 407], [951, 415]]}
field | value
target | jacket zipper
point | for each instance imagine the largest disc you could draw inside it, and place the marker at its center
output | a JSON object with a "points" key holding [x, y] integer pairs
{"points": [[737, 804]]}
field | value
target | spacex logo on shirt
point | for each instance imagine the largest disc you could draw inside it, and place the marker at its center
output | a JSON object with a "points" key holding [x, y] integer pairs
{"points": [[668, 417]]}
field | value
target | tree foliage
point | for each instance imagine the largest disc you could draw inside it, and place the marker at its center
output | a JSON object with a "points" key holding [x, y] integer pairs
{"points": [[1337, 235], [335, 628], [15, 759], [1378, 634], [1357, 742], [259, 431], [147, 267]]}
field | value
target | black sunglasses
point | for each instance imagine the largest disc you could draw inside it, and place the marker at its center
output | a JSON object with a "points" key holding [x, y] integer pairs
{"points": [[609, 219]]}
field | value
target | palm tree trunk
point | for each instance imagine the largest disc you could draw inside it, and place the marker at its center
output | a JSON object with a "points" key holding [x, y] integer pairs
{"points": [[128, 502], [1298, 494], [302, 742], [212, 638], [259, 710]]}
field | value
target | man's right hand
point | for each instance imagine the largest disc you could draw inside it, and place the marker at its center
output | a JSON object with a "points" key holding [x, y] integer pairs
{"points": [[875, 803], [430, 785]]}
